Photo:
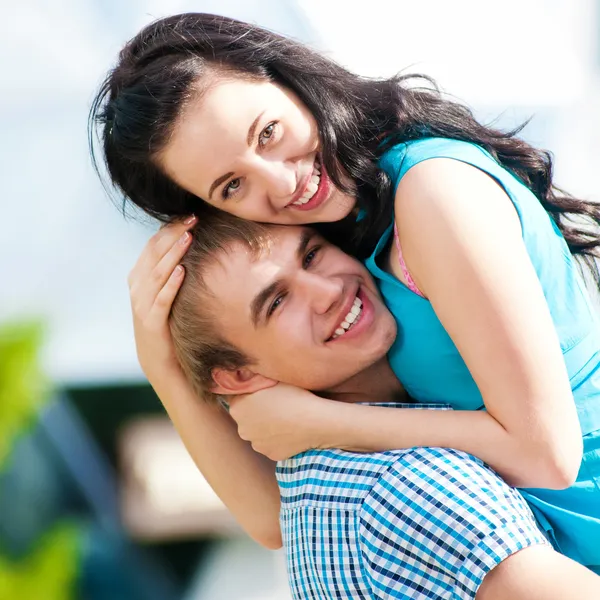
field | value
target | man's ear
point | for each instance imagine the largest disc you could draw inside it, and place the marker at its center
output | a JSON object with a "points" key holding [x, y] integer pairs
{"points": [[232, 382]]}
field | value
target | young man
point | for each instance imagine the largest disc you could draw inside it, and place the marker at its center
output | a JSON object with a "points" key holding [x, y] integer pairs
{"points": [[264, 304]]}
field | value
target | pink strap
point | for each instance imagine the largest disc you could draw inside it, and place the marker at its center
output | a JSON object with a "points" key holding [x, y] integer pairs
{"points": [[410, 283]]}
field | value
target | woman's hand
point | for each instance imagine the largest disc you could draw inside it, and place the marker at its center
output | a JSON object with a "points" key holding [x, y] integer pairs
{"points": [[283, 420], [153, 285]]}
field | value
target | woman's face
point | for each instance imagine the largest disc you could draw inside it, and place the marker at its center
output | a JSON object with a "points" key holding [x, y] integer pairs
{"points": [[252, 149]]}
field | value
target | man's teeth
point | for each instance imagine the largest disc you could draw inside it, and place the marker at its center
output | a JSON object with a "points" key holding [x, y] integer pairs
{"points": [[349, 319], [312, 186]]}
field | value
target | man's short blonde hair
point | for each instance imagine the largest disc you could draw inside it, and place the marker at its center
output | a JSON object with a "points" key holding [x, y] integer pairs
{"points": [[199, 345]]}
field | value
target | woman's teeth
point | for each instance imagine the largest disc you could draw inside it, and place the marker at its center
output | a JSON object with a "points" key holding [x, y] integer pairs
{"points": [[312, 186], [352, 317]]}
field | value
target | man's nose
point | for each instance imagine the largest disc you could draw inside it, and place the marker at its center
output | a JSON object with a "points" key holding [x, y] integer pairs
{"points": [[323, 293]]}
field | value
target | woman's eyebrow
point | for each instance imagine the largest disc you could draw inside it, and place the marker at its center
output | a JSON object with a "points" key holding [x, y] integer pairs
{"points": [[252, 129], [217, 182], [251, 132]]}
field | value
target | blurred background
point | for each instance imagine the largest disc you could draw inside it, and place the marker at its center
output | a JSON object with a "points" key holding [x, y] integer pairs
{"points": [[98, 499]]}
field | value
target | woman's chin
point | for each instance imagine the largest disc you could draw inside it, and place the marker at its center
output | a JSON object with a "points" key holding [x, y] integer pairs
{"points": [[337, 208]]}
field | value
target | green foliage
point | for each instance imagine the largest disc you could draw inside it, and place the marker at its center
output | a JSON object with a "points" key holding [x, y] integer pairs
{"points": [[48, 573], [23, 387]]}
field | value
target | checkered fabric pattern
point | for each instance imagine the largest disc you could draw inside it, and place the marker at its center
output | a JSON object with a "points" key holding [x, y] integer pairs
{"points": [[419, 523]]}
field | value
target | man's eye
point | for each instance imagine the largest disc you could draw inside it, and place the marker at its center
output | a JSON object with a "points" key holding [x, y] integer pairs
{"points": [[231, 188], [276, 303], [267, 133], [310, 257]]}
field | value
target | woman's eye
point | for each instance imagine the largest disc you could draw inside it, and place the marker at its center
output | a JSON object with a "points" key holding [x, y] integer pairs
{"points": [[308, 259], [276, 303], [267, 133], [231, 188]]}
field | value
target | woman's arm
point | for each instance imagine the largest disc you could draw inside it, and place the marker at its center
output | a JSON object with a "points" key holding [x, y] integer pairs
{"points": [[462, 241], [243, 479], [539, 573]]}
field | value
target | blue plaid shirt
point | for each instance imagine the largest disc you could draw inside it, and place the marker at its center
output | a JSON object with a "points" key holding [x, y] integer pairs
{"points": [[418, 523]]}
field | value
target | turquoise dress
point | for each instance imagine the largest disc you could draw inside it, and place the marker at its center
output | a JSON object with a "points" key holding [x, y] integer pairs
{"points": [[426, 361]]}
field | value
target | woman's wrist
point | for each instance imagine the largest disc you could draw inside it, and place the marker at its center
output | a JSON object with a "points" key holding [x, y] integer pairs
{"points": [[342, 427]]}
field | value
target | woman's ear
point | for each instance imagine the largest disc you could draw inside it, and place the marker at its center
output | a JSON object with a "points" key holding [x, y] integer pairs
{"points": [[232, 382]]}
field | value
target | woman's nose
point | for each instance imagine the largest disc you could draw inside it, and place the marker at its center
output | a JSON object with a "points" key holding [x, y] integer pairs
{"points": [[280, 180]]}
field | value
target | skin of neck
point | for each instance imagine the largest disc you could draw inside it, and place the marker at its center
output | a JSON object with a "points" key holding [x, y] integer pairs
{"points": [[376, 383]]}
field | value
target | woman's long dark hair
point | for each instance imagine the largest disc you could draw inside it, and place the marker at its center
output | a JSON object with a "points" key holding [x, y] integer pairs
{"points": [[159, 69]]}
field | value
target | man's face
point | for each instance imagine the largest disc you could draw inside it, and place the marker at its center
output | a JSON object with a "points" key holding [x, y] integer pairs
{"points": [[305, 312]]}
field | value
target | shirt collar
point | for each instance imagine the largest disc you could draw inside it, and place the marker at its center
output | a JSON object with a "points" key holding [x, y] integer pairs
{"points": [[415, 405]]}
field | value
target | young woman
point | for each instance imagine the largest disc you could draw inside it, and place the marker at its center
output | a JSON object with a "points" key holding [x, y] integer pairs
{"points": [[472, 245]]}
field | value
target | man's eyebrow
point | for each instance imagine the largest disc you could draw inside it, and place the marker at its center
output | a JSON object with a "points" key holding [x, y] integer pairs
{"points": [[259, 301], [305, 238], [250, 137]]}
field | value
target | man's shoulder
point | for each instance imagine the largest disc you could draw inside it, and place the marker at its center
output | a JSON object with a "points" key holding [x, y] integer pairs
{"points": [[426, 488], [332, 478], [337, 479], [443, 519]]}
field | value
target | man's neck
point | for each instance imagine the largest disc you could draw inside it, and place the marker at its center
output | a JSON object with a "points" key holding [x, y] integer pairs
{"points": [[376, 383]]}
